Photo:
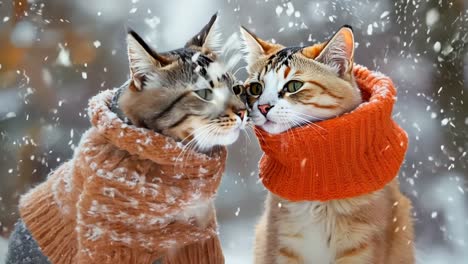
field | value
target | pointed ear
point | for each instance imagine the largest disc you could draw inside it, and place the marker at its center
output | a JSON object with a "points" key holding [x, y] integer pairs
{"points": [[209, 38], [338, 53], [255, 47], [142, 60], [313, 51]]}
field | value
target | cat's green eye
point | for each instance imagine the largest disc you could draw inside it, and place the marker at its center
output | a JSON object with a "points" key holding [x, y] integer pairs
{"points": [[293, 86], [238, 89], [255, 89], [205, 94]]}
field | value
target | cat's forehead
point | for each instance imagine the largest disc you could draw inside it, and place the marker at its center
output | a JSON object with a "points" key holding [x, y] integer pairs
{"points": [[282, 57], [206, 66], [190, 55], [285, 57]]}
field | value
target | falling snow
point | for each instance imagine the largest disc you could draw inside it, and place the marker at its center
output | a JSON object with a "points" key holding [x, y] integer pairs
{"points": [[152, 22], [290, 9], [384, 14], [237, 211], [437, 46], [97, 44], [279, 10], [64, 56], [370, 29], [432, 16]]}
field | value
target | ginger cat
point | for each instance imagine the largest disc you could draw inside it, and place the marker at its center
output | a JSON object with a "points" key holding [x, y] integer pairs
{"points": [[294, 86]]}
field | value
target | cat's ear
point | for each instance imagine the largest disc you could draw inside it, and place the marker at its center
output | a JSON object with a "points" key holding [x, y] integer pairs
{"points": [[313, 51], [338, 52], [254, 47], [142, 60], [209, 38]]}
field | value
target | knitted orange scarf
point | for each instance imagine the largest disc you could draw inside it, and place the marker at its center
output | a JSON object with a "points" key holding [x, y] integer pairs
{"points": [[351, 155]]}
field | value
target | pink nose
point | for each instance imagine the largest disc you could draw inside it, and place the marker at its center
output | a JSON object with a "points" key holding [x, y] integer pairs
{"points": [[241, 114], [264, 108]]}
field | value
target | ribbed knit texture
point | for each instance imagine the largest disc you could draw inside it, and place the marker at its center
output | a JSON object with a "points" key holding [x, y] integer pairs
{"points": [[351, 155], [121, 198]]}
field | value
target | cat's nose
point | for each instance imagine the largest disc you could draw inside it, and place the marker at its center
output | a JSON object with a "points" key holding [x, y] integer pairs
{"points": [[264, 108], [241, 113]]}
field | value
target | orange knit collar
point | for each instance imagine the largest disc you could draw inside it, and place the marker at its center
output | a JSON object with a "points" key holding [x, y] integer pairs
{"points": [[351, 155]]}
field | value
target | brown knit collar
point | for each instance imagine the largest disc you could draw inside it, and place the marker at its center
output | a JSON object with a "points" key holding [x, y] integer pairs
{"points": [[142, 141], [347, 156]]}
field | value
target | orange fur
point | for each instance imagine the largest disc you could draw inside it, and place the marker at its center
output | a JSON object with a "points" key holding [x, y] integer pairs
{"points": [[315, 221], [361, 230]]}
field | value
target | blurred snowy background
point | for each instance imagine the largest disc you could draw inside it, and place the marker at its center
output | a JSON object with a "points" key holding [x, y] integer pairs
{"points": [[56, 54]]}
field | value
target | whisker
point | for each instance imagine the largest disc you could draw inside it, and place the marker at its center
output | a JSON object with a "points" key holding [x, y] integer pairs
{"points": [[286, 122], [307, 123], [306, 115], [256, 129], [196, 130], [296, 114], [201, 141], [247, 135], [197, 139], [189, 146]]}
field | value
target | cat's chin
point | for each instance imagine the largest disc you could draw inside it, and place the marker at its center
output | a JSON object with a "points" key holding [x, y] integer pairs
{"points": [[273, 127], [218, 140]]}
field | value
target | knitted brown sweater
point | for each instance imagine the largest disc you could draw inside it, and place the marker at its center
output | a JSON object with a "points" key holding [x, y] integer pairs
{"points": [[123, 197]]}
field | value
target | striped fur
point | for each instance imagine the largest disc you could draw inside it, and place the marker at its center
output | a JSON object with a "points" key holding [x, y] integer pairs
{"points": [[164, 91]]}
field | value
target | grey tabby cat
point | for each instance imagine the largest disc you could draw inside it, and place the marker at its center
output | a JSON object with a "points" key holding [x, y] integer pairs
{"points": [[186, 94]]}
